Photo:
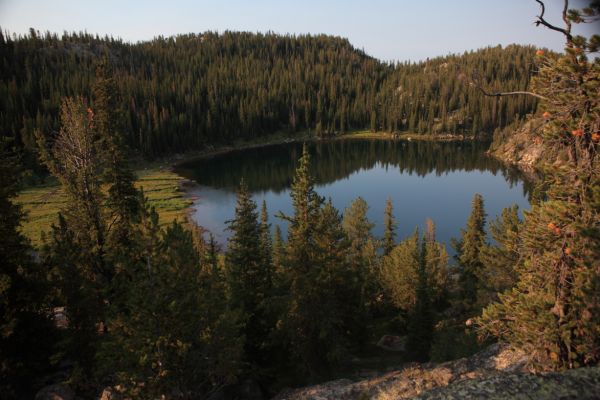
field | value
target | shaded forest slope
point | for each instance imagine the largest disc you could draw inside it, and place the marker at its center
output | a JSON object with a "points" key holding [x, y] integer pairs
{"points": [[189, 91]]}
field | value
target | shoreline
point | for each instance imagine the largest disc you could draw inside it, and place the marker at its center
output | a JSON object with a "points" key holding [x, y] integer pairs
{"points": [[306, 136], [186, 186]]}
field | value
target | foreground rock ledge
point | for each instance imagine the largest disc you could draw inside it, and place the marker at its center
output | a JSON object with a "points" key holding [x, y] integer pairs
{"points": [[497, 372]]}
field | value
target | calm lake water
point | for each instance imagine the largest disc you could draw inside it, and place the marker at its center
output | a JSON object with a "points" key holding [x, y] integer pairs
{"points": [[423, 179]]}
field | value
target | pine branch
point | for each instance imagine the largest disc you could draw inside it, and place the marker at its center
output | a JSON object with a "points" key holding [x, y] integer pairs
{"points": [[499, 94], [475, 83], [566, 32]]}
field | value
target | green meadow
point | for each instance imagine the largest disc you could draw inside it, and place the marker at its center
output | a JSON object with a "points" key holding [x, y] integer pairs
{"points": [[162, 187]]}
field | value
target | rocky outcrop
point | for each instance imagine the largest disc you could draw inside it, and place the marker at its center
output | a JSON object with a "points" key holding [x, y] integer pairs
{"points": [[524, 147], [415, 379], [497, 372], [580, 384]]}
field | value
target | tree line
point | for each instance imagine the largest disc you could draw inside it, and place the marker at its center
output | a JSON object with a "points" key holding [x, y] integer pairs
{"points": [[191, 91]]}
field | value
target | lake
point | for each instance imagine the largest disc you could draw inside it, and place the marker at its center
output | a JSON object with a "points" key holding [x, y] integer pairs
{"points": [[424, 179]]}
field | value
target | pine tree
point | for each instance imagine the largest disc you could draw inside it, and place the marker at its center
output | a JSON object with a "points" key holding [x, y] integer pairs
{"points": [[399, 273], [302, 225], [421, 322], [248, 275], [437, 267], [390, 227], [74, 158], [468, 250], [362, 258], [123, 198], [500, 258], [314, 321], [266, 244], [174, 340], [76, 252], [278, 250], [553, 311], [358, 228], [334, 298], [23, 296]]}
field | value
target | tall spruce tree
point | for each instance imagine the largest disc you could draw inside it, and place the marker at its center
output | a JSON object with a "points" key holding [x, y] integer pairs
{"points": [[315, 324], [248, 275], [266, 243], [500, 258], [437, 267], [278, 250], [123, 197], [421, 319], [468, 249], [389, 222], [399, 273], [334, 299], [362, 259]]}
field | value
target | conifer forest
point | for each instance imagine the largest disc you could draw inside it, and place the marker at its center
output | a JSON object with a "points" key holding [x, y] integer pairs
{"points": [[111, 298]]}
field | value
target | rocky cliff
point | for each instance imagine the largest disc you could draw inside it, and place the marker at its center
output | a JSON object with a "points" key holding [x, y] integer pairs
{"points": [[523, 146]]}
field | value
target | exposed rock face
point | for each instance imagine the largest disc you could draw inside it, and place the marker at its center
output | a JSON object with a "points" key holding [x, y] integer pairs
{"points": [[416, 378], [580, 384], [525, 148]]}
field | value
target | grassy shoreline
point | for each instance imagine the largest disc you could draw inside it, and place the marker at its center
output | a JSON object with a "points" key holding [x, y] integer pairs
{"points": [[163, 187], [282, 137]]}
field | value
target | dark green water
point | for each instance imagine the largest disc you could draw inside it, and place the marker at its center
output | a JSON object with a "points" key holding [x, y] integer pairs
{"points": [[424, 180]]}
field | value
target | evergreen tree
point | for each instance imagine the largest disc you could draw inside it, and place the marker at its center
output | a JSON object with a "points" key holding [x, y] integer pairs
{"points": [[358, 228], [390, 227], [315, 323], [122, 199], [334, 298], [468, 249], [23, 303], [278, 250], [500, 258], [74, 158], [553, 311], [266, 245], [248, 275], [76, 252], [399, 273], [437, 268], [173, 342], [421, 322], [362, 259]]}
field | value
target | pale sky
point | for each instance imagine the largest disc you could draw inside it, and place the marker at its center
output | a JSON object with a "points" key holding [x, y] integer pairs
{"points": [[386, 29]]}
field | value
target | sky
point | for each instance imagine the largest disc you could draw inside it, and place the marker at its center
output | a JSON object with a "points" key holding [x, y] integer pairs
{"points": [[391, 30]]}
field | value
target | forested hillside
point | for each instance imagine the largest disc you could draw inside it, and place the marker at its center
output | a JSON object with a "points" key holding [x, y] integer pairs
{"points": [[189, 91]]}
